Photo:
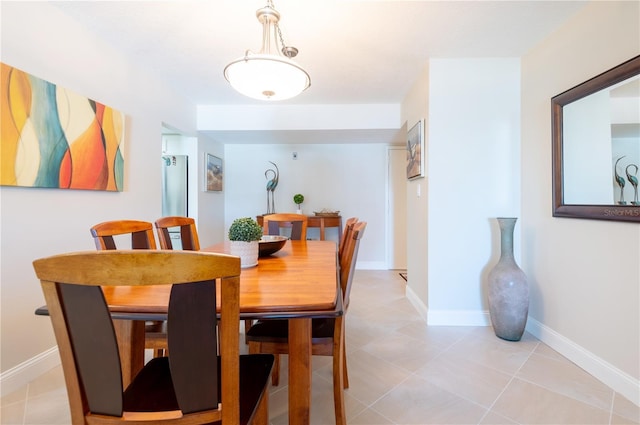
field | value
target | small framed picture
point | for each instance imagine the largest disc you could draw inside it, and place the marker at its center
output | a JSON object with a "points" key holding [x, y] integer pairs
{"points": [[415, 151], [212, 173]]}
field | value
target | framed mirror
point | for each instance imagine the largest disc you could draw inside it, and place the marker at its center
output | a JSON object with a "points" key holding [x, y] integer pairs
{"points": [[596, 147]]}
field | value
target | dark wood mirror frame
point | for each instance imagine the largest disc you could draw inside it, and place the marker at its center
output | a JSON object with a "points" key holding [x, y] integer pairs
{"points": [[598, 212]]}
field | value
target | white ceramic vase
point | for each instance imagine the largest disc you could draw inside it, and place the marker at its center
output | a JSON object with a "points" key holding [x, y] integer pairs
{"points": [[247, 251]]}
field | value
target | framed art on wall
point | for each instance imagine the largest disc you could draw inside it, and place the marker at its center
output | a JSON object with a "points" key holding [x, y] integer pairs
{"points": [[213, 173], [53, 137], [415, 151]]}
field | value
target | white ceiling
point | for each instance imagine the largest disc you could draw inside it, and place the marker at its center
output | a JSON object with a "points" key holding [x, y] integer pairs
{"points": [[355, 51]]}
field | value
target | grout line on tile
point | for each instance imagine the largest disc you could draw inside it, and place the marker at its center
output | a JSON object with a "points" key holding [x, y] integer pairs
{"points": [[513, 376], [613, 397], [26, 404]]}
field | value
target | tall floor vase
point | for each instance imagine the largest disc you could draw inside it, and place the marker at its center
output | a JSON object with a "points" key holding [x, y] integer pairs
{"points": [[508, 288]]}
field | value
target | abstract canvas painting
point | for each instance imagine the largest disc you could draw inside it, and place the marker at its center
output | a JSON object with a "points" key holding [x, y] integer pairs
{"points": [[53, 137]]}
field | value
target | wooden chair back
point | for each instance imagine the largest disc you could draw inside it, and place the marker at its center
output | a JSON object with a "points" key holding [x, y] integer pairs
{"points": [[72, 286], [298, 223], [188, 232], [348, 260], [141, 234], [141, 237], [346, 233]]}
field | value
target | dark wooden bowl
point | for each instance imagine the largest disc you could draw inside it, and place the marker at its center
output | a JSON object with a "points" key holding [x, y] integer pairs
{"points": [[270, 244]]}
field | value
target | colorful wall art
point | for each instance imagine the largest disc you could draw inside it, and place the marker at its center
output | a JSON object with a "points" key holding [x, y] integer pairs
{"points": [[52, 137]]}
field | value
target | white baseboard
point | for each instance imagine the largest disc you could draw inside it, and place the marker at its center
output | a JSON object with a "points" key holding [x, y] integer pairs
{"points": [[25, 372], [611, 376], [448, 317], [416, 302]]}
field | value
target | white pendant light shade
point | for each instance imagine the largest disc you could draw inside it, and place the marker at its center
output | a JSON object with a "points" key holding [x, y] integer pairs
{"points": [[269, 74], [267, 77]]}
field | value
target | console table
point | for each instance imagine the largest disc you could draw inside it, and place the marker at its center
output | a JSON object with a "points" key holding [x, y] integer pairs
{"points": [[321, 221]]}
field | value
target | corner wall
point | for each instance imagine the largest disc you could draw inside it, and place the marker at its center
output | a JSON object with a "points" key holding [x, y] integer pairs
{"points": [[584, 274], [471, 108], [474, 150], [415, 106], [39, 39]]}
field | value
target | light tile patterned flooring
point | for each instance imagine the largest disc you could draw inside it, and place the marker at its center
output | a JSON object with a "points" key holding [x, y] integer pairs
{"points": [[404, 372]]}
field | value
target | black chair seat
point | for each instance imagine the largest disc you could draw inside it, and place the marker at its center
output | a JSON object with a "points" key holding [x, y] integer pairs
{"points": [[277, 330], [152, 389]]}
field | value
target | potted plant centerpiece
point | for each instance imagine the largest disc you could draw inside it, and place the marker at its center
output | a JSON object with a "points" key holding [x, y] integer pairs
{"points": [[298, 199], [244, 234]]}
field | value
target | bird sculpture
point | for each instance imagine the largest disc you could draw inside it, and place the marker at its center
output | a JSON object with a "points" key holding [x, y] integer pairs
{"points": [[272, 183], [633, 179], [619, 181]]}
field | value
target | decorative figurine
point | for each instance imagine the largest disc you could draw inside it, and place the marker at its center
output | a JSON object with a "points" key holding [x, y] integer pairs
{"points": [[634, 182], [620, 181], [271, 186]]}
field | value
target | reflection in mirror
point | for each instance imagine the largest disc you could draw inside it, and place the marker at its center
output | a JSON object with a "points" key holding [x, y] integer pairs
{"points": [[596, 146], [601, 146]]}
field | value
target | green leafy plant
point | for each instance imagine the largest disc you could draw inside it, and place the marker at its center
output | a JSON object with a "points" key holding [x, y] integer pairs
{"points": [[245, 229], [298, 198]]}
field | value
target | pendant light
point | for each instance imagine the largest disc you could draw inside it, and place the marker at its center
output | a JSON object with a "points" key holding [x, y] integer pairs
{"points": [[270, 74]]}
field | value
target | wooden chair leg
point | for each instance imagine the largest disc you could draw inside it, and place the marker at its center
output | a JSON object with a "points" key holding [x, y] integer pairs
{"points": [[338, 388], [247, 325], [345, 374], [275, 372]]}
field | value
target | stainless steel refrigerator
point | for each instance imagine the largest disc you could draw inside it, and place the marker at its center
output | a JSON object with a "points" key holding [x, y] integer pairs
{"points": [[174, 191]]}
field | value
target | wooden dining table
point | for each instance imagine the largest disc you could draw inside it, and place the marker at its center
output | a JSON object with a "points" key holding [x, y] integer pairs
{"points": [[299, 283]]}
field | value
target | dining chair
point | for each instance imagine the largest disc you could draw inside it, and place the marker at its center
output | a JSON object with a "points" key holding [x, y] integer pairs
{"points": [[346, 233], [272, 223], [327, 334], [195, 384], [140, 235], [188, 232]]}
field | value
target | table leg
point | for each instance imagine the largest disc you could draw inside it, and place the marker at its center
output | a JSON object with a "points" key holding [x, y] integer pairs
{"points": [[299, 371], [130, 335], [322, 229]]}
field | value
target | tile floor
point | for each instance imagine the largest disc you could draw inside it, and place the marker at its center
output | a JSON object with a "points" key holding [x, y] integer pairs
{"points": [[403, 372]]}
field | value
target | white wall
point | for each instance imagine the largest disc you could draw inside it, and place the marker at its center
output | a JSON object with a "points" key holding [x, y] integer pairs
{"points": [[211, 205], [584, 274], [349, 178], [471, 107], [474, 176], [40, 40], [415, 106]]}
